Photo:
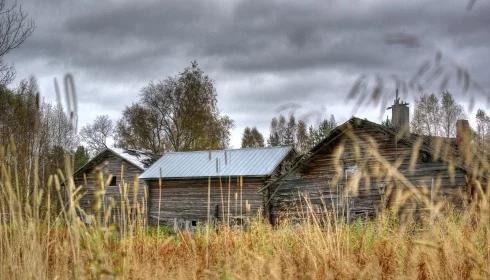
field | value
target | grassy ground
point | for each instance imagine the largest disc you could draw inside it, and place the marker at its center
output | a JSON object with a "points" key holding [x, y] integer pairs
{"points": [[39, 242], [450, 248]]}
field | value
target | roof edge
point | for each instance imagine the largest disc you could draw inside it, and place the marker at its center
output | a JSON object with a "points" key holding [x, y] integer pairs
{"points": [[98, 155], [201, 177]]}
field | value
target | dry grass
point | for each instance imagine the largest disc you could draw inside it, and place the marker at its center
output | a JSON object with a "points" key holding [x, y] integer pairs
{"points": [[37, 242]]}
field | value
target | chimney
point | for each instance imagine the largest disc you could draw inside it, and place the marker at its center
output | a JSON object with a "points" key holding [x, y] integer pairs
{"points": [[463, 140], [400, 116], [463, 132]]}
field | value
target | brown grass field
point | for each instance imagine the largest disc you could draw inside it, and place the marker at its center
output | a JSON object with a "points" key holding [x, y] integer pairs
{"points": [[40, 241]]}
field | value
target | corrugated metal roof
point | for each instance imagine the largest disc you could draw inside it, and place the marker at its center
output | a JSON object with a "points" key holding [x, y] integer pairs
{"points": [[232, 162]]}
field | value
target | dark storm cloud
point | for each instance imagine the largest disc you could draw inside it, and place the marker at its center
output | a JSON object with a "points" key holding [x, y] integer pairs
{"points": [[408, 40], [263, 55]]}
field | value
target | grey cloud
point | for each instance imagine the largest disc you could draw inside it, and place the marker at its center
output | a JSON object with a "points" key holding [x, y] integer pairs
{"points": [[404, 39], [288, 108], [262, 54]]}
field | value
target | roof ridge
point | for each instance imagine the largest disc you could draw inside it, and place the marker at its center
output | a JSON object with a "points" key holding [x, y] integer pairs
{"points": [[234, 149], [132, 150]]}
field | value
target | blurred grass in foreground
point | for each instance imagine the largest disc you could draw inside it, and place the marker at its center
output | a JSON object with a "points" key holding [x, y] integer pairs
{"points": [[38, 242]]}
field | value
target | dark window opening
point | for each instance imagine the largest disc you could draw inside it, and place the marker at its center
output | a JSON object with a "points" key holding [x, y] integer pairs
{"points": [[216, 211], [425, 157], [113, 181], [194, 223]]}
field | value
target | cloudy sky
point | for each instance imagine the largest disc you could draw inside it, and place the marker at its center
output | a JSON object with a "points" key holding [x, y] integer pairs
{"points": [[266, 57]]}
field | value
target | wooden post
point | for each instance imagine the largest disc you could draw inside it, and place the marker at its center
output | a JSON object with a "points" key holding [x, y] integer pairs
{"points": [[209, 199], [159, 198], [236, 203], [229, 193], [222, 201], [432, 199], [241, 197]]}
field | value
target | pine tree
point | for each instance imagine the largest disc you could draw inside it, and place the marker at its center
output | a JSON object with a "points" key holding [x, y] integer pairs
{"points": [[274, 134], [387, 123], [258, 138], [281, 129], [252, 138], [81, 157], [325, 127], [290, 131], [302, 137]]}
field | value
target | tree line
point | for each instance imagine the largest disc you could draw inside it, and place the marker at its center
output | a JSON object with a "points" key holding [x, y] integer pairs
{"points": [[289, 132], [177, 113], [35, 135], [436, 115], [433, 115]]}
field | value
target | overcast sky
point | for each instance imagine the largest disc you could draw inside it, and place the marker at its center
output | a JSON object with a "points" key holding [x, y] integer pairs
{"points": [[266, 57]]}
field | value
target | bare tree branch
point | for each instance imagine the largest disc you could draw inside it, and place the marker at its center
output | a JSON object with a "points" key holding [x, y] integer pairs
{"points": [[15, 28]]}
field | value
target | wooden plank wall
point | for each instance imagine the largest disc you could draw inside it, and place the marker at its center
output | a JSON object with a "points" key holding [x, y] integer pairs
{"points": [[187, 200], [325, 178], [111, 164]]}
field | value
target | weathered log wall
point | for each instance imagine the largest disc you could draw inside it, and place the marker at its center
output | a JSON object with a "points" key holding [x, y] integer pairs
{"points": [[352, 179], [186, 200], [123, 194]]}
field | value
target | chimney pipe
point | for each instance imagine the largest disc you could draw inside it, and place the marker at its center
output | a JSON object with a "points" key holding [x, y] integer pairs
{"points": [[462, 132], [400, 116]]}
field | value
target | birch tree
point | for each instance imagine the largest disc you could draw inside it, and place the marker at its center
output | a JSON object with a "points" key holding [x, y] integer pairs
{"points": [[176, 114], [96, 134]]}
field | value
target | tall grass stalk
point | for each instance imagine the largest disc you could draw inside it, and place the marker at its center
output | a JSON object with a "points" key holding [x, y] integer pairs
{"points": [[38, 241]]}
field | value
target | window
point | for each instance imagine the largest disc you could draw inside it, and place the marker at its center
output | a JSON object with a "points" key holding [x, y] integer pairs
{"points": [[113, 181], [425, 157], [194, 223], [349, 171]]}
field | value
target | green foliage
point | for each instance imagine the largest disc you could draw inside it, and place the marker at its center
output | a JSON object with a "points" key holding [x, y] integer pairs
{"points": [[277, 131], [302, 137], [319, 133], [80, 158], [42, 133], [252, 138], [159, 232], [297, 133], [290, 131], [176, 114], [387, 123]]}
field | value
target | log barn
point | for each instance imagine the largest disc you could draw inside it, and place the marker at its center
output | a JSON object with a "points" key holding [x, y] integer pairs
{"points": [[362, 167], [188, 188], [113, 172]]}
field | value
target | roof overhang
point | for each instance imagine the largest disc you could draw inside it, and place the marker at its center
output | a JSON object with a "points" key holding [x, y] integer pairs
{"points": [[205, 178], [98, 158]]}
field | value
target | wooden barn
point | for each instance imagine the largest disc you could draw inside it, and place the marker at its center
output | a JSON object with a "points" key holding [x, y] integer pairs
{"points": [[362, 167], [125, 166], [188, 188]]}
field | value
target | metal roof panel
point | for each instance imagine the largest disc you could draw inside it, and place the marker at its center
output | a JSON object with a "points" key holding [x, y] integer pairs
{"points": [[214, 163]]}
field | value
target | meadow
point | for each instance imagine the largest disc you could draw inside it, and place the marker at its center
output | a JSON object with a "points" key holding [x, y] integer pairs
{"points": [[43, 236]]}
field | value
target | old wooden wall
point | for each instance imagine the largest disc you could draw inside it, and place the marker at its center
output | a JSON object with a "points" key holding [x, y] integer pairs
{"points": [[346, 178], [187, 200], [125, 173]]}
